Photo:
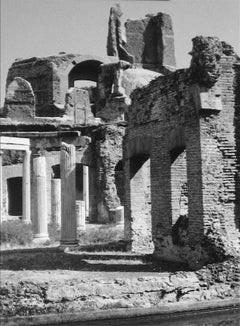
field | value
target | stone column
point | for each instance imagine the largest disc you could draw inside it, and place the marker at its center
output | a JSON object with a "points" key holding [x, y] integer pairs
{"points": [[56, 202], [80, 215], [40, 224], [26, 185], [68, 195], [86, 189], [1, 189]]}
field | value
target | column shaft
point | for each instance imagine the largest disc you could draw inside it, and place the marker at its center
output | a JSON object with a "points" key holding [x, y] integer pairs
{"points": [[26, 204], [40, 199], [86, 189], [68, 195]]}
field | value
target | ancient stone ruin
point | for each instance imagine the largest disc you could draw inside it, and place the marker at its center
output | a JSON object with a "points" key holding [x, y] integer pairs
{"points": [[86, 138]]}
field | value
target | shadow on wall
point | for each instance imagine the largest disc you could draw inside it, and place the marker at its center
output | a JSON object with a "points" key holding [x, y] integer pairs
{"points": [[237, 140], [119, 181]]}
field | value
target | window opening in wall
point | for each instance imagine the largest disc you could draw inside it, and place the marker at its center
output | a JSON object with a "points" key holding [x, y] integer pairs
{"points": [[14, 190], [79, 181], [179, 194]]}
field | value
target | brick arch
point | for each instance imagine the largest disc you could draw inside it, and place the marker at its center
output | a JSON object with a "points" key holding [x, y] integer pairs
{"points": [[176, 139], [83, 58], [63, 74], [140, 145], [85, 70], [20, 100]]}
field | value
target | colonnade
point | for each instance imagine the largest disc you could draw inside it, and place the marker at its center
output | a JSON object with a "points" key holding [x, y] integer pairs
{"points": [[64, 210], [65, 213]]}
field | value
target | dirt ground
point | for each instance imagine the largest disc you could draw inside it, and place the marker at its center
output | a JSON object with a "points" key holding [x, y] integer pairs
{"points": [[43, 263]]}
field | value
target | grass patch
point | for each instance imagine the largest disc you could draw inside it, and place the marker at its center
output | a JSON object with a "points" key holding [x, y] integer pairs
{"points": [[98, 234], [16, 233], [94, 234]]}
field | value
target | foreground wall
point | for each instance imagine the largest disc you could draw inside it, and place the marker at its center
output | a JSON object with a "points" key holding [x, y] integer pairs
{"points": [[73, 292]]}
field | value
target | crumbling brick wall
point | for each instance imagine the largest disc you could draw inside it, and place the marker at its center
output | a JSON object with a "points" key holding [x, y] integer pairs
{"points": [[49, 78], [179, 186], [176, 112], [108, 146], [42, 78]]}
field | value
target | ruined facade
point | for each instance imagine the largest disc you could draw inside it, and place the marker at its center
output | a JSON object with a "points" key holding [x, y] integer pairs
{"points": [[182, 131], [160, 142]]}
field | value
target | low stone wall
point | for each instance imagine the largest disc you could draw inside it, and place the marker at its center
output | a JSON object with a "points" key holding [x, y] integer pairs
{"points": [[61, 291]]}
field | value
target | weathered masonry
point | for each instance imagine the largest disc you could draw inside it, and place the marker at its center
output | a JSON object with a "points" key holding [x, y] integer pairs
{"points": [[181, 153], [80, 100], [160, 142]]}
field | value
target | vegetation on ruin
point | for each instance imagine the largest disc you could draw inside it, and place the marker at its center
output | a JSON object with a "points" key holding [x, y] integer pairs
{"points": [[16, 233], [102, 234]]}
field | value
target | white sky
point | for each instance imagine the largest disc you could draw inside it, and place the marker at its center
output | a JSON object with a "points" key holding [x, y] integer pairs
{"points": [[46, 27]]}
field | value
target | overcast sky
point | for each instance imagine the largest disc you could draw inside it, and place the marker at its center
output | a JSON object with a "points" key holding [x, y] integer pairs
{"points": [[46, 27]]}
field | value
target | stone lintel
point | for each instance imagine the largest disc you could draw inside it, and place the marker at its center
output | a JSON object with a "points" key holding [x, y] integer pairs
{"points": [[14, 141]]}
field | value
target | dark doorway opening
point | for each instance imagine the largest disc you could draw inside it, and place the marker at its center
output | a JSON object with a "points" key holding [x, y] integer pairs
{"points": [[119, 181], [14, 186], [79, 181]]}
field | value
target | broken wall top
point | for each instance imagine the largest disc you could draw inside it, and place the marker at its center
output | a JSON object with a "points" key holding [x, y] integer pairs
{"points": [[149, 41], [201, 86], [51, 77]]}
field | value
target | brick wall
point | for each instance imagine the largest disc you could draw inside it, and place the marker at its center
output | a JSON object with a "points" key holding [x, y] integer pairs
{"points": [[39, 73], [174, 114]]}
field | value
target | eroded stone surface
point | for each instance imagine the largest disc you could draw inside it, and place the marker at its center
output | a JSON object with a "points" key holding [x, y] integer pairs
{"points": [[115, 41], [150, 41], [70, 293], [166, 118], [205, 65]]}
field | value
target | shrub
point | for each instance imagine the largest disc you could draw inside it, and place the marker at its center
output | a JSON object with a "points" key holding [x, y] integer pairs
{"points": [[101, 234], [15, 233]]}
